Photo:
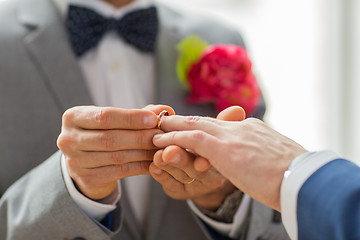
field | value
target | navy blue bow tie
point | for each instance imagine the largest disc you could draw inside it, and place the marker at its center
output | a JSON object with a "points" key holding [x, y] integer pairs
{"points": [[86, 28]]}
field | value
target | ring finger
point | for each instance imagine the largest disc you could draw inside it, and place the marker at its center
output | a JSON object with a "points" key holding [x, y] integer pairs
{"points": [[181, 174]]}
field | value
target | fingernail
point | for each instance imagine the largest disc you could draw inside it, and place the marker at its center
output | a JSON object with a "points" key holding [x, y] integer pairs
{"points": [[157, 171], [150, 121]]}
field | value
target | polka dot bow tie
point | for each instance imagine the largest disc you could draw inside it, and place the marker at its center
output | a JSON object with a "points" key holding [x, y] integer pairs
{"points": [[86, 28]]}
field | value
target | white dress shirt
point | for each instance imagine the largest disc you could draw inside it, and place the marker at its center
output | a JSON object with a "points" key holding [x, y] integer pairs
{"points": [[299, 171], [119, 75]]}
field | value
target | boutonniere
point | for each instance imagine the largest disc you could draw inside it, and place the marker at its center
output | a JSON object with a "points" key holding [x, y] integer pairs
{"points": [[219, 74]]}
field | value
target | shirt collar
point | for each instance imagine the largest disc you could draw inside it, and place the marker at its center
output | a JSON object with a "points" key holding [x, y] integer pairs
{"points": [[101, 6]]}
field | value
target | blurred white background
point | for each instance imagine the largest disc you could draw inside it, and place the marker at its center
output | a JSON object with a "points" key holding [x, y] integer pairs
{"points": [[305, 55]]}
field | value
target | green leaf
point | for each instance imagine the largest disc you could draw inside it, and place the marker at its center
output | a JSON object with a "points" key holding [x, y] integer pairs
{"points": [[190, 50]]}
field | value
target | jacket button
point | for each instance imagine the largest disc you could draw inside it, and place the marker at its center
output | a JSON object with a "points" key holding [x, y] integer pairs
{"points": [[78, 238]]}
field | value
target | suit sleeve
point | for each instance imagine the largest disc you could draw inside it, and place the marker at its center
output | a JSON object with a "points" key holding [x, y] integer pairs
{"points": [[38, 206], [94, 209], [327, 200]]}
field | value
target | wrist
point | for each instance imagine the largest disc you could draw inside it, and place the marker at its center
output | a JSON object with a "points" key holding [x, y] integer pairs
{"points": [[97, 194], [227, 210], [214, 200], [95, 210]]}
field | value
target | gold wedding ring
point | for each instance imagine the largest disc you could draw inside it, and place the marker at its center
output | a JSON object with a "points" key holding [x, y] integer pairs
{"points": [[163, 113], [191, 181]]}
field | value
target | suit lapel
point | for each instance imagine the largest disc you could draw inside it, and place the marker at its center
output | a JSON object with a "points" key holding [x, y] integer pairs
{"points": [[47, 38]]}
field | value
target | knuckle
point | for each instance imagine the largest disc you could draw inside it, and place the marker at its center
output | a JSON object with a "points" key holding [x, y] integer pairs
{"points": [[107, 140], [132, 169], [117, 157], [141, 139], [124, 169], [102, 117], [198, 135], [68, 116], [129, 118], [60, 141], [256, 120], [252, 122], [192, 120], [64, 142]]}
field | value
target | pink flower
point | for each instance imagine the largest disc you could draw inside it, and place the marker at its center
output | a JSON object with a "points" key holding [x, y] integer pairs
{"points": [[224, 77]]}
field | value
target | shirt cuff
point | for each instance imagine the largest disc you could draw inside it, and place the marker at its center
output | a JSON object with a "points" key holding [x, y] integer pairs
{"points": [[94, 209], [228, 229], [301, 168]]}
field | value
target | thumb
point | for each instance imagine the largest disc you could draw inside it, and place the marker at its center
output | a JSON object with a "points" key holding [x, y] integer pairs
{"points": [[234, 113]]}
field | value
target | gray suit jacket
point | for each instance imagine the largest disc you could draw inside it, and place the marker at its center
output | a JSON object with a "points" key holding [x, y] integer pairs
{"points": [[39, 80]]}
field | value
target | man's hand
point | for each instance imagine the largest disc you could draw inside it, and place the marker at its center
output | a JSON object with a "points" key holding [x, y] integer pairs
{"points": [[103, 144], [174, 168], [250, 154]]}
